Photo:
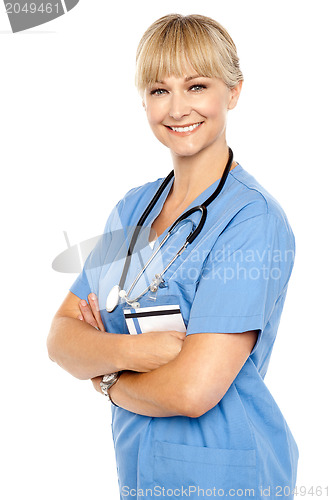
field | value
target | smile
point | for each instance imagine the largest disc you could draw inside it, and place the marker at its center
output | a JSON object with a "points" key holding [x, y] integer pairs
{"points": [[184, 130]]}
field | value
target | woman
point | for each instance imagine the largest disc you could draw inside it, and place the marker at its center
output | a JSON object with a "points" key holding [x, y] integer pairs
{"points": [[191, 412]]}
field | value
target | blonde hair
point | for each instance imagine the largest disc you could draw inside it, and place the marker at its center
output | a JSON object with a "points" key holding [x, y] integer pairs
{"points": [[174, 41]]}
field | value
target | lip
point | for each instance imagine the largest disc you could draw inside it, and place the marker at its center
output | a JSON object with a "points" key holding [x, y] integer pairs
{"points": [[189, 132]]}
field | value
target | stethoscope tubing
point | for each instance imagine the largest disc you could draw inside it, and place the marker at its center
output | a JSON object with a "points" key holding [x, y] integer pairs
{"points": [[139, 225], [190, 238]]}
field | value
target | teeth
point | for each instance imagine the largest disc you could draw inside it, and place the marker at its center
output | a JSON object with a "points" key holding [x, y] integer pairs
{"points": [[185, 129]]}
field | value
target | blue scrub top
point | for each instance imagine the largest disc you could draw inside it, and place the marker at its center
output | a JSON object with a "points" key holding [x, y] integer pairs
{"points": [[231, 279]]}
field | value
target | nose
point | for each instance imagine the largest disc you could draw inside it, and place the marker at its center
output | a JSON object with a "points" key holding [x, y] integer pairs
{"points": [[179, 106]]}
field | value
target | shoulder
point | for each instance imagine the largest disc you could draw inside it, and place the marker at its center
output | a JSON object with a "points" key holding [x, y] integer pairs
{"points": [[132, 203], [140, 194], [255, 200]]}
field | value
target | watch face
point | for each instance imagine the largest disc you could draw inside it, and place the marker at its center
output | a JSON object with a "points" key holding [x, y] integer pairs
{"points": [[109, 378]]}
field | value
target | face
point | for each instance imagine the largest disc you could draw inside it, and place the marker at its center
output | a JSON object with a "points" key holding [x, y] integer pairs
{"points": [[188, 114]]}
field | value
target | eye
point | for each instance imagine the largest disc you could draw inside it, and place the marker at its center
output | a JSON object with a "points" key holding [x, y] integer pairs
{"points": [[197, 88], [158, 91]]}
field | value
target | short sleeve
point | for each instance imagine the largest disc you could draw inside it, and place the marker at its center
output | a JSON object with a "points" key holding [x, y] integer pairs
{"points": [[88, 280], [243, 276], [81, 286]]}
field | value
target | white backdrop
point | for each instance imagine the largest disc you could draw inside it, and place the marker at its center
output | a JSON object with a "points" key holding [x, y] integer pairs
{"points": [[74, 140]]}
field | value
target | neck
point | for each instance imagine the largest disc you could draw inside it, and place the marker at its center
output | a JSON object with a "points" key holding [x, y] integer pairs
{"points": [[194, 174]]}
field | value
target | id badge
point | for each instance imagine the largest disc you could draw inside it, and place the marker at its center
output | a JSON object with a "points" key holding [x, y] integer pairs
{"points": [[154, 319]]}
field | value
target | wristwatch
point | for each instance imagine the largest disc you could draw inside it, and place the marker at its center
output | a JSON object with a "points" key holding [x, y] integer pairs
{"points": [[108, 381]]}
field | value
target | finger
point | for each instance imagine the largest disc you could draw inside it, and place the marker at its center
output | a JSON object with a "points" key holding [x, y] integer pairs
{"points": [[96, 383], [87, 314], [93, 301], [180, 335]]}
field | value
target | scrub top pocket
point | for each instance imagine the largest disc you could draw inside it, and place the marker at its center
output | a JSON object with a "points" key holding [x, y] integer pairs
{"points": [[182, 467]]}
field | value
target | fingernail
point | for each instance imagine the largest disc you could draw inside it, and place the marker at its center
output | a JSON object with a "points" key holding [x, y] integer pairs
{"points": [[80, 318], [83, 303], [95, 299]]}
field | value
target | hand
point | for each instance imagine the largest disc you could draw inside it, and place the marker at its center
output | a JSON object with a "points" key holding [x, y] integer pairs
{"points": [[155, 349], [91, 314], [152, 349]]}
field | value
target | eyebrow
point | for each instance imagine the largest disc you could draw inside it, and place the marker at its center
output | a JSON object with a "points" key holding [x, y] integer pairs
{"points": [[193, 77], [187, 79]]}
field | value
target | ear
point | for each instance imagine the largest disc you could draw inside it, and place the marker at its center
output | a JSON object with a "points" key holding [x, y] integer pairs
{"points": [[143, 96], [234, 95]]}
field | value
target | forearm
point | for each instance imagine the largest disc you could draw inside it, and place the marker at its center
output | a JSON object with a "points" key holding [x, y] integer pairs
{"points": [[86, 352], [155, 394], [193, 383]]}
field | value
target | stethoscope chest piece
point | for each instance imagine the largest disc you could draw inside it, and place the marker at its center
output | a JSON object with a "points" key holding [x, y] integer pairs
{"points": [[113, 298]]}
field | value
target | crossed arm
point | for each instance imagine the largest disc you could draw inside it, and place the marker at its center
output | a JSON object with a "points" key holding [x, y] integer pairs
{"points": [[199, 370], [193, 383]]}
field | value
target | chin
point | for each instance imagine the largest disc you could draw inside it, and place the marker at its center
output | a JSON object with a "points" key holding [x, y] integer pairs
{"points": [[185, 151], [184, 155]]}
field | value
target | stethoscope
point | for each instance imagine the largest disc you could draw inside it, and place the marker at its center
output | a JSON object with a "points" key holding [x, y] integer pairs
{"points": [[117, 291]]}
